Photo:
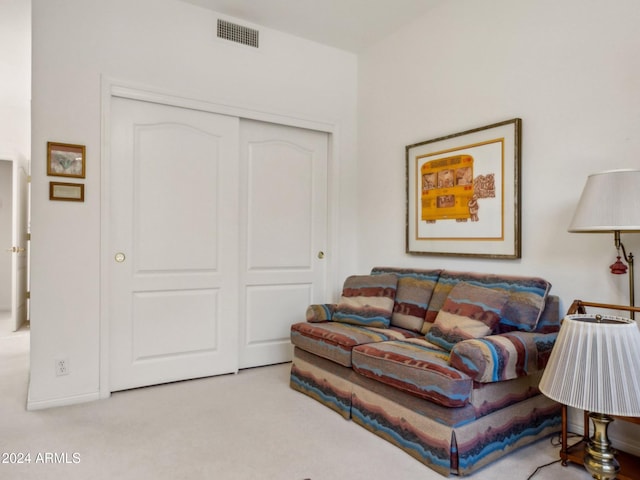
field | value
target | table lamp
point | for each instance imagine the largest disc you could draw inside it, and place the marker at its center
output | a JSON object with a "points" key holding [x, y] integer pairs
{"points": [[594, 367], [610, 202]]}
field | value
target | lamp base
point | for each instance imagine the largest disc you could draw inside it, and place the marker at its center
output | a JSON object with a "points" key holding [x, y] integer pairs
{"points": [[599, 457]]}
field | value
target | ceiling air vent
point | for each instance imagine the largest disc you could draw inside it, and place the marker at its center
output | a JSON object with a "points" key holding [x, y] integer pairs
{"points": [[238, 33]]}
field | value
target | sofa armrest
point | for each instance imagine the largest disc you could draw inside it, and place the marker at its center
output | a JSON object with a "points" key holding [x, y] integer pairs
{"points": [[320, 312], [503, 357]]}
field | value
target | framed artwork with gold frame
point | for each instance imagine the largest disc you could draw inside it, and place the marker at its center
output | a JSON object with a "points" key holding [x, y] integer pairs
{"points": [[66, 160], [463, 193], [70, 192]]}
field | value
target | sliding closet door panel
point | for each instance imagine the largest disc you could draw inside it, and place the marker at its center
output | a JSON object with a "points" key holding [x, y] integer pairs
{"points": [[280, 215], [173, 232], [284, 229], [176, 203]]}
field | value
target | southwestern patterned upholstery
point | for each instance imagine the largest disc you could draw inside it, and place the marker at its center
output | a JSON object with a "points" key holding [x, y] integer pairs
{"points": [[335, 340], [468, 312], [367, 300], [523, 309], [417, 367], [320, 313], [414, 291], [502, 357], [454, 405]]}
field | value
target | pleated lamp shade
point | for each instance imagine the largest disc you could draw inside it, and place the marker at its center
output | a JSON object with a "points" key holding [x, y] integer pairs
{"points": [[595, 365]]}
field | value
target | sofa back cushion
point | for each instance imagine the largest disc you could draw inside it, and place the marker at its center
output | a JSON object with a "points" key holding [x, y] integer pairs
{"points": [[526, 302], [470, 311], [549, 321], [367, 300], [415, 288]]}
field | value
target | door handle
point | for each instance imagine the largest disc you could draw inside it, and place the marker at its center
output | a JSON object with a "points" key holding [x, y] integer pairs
{"points": [[15, 250]]}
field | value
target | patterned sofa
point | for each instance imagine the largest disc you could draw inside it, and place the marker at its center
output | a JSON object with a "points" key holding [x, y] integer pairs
{"points": [[445, 365]]}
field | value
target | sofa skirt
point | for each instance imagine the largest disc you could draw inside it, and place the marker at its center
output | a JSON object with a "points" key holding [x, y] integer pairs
{"points": [[448, 440], [323, 380], [459, 449]]}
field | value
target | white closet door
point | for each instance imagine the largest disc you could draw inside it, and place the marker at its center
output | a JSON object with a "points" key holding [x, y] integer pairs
{"points": [[283, 235], [20, 245], [173, 230]]}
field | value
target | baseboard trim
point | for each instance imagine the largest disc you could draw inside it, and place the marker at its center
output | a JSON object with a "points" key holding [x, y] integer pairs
{"points": [[62, 402]]}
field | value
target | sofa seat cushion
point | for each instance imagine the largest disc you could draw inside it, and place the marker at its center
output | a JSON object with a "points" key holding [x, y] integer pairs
{"points": [[334, 340], [414, 366]]}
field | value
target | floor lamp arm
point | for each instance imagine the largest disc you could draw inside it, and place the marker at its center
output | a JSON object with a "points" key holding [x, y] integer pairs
{"points": [[629, 260]]}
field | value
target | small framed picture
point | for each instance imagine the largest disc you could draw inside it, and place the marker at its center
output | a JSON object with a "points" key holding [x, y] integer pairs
{"points": [[65, 160], [70, 192]]}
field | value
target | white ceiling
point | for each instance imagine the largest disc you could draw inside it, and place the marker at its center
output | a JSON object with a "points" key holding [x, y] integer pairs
{"points": [[346, 24]]}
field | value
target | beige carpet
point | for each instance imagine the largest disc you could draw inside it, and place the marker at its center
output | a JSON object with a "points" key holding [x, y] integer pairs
{"points": [[246, 426]]}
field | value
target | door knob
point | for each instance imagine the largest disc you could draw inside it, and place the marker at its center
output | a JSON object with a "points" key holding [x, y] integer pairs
{"points": [[320, 254], [119, 257]]}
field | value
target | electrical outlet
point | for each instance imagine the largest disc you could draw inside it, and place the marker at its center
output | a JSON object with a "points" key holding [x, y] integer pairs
{"points": [[62, 366]]}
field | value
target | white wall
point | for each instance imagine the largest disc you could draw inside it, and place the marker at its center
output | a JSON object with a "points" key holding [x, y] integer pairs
{"points": [[15, 78], [569, 69], [15, 94], [170, 46]]}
